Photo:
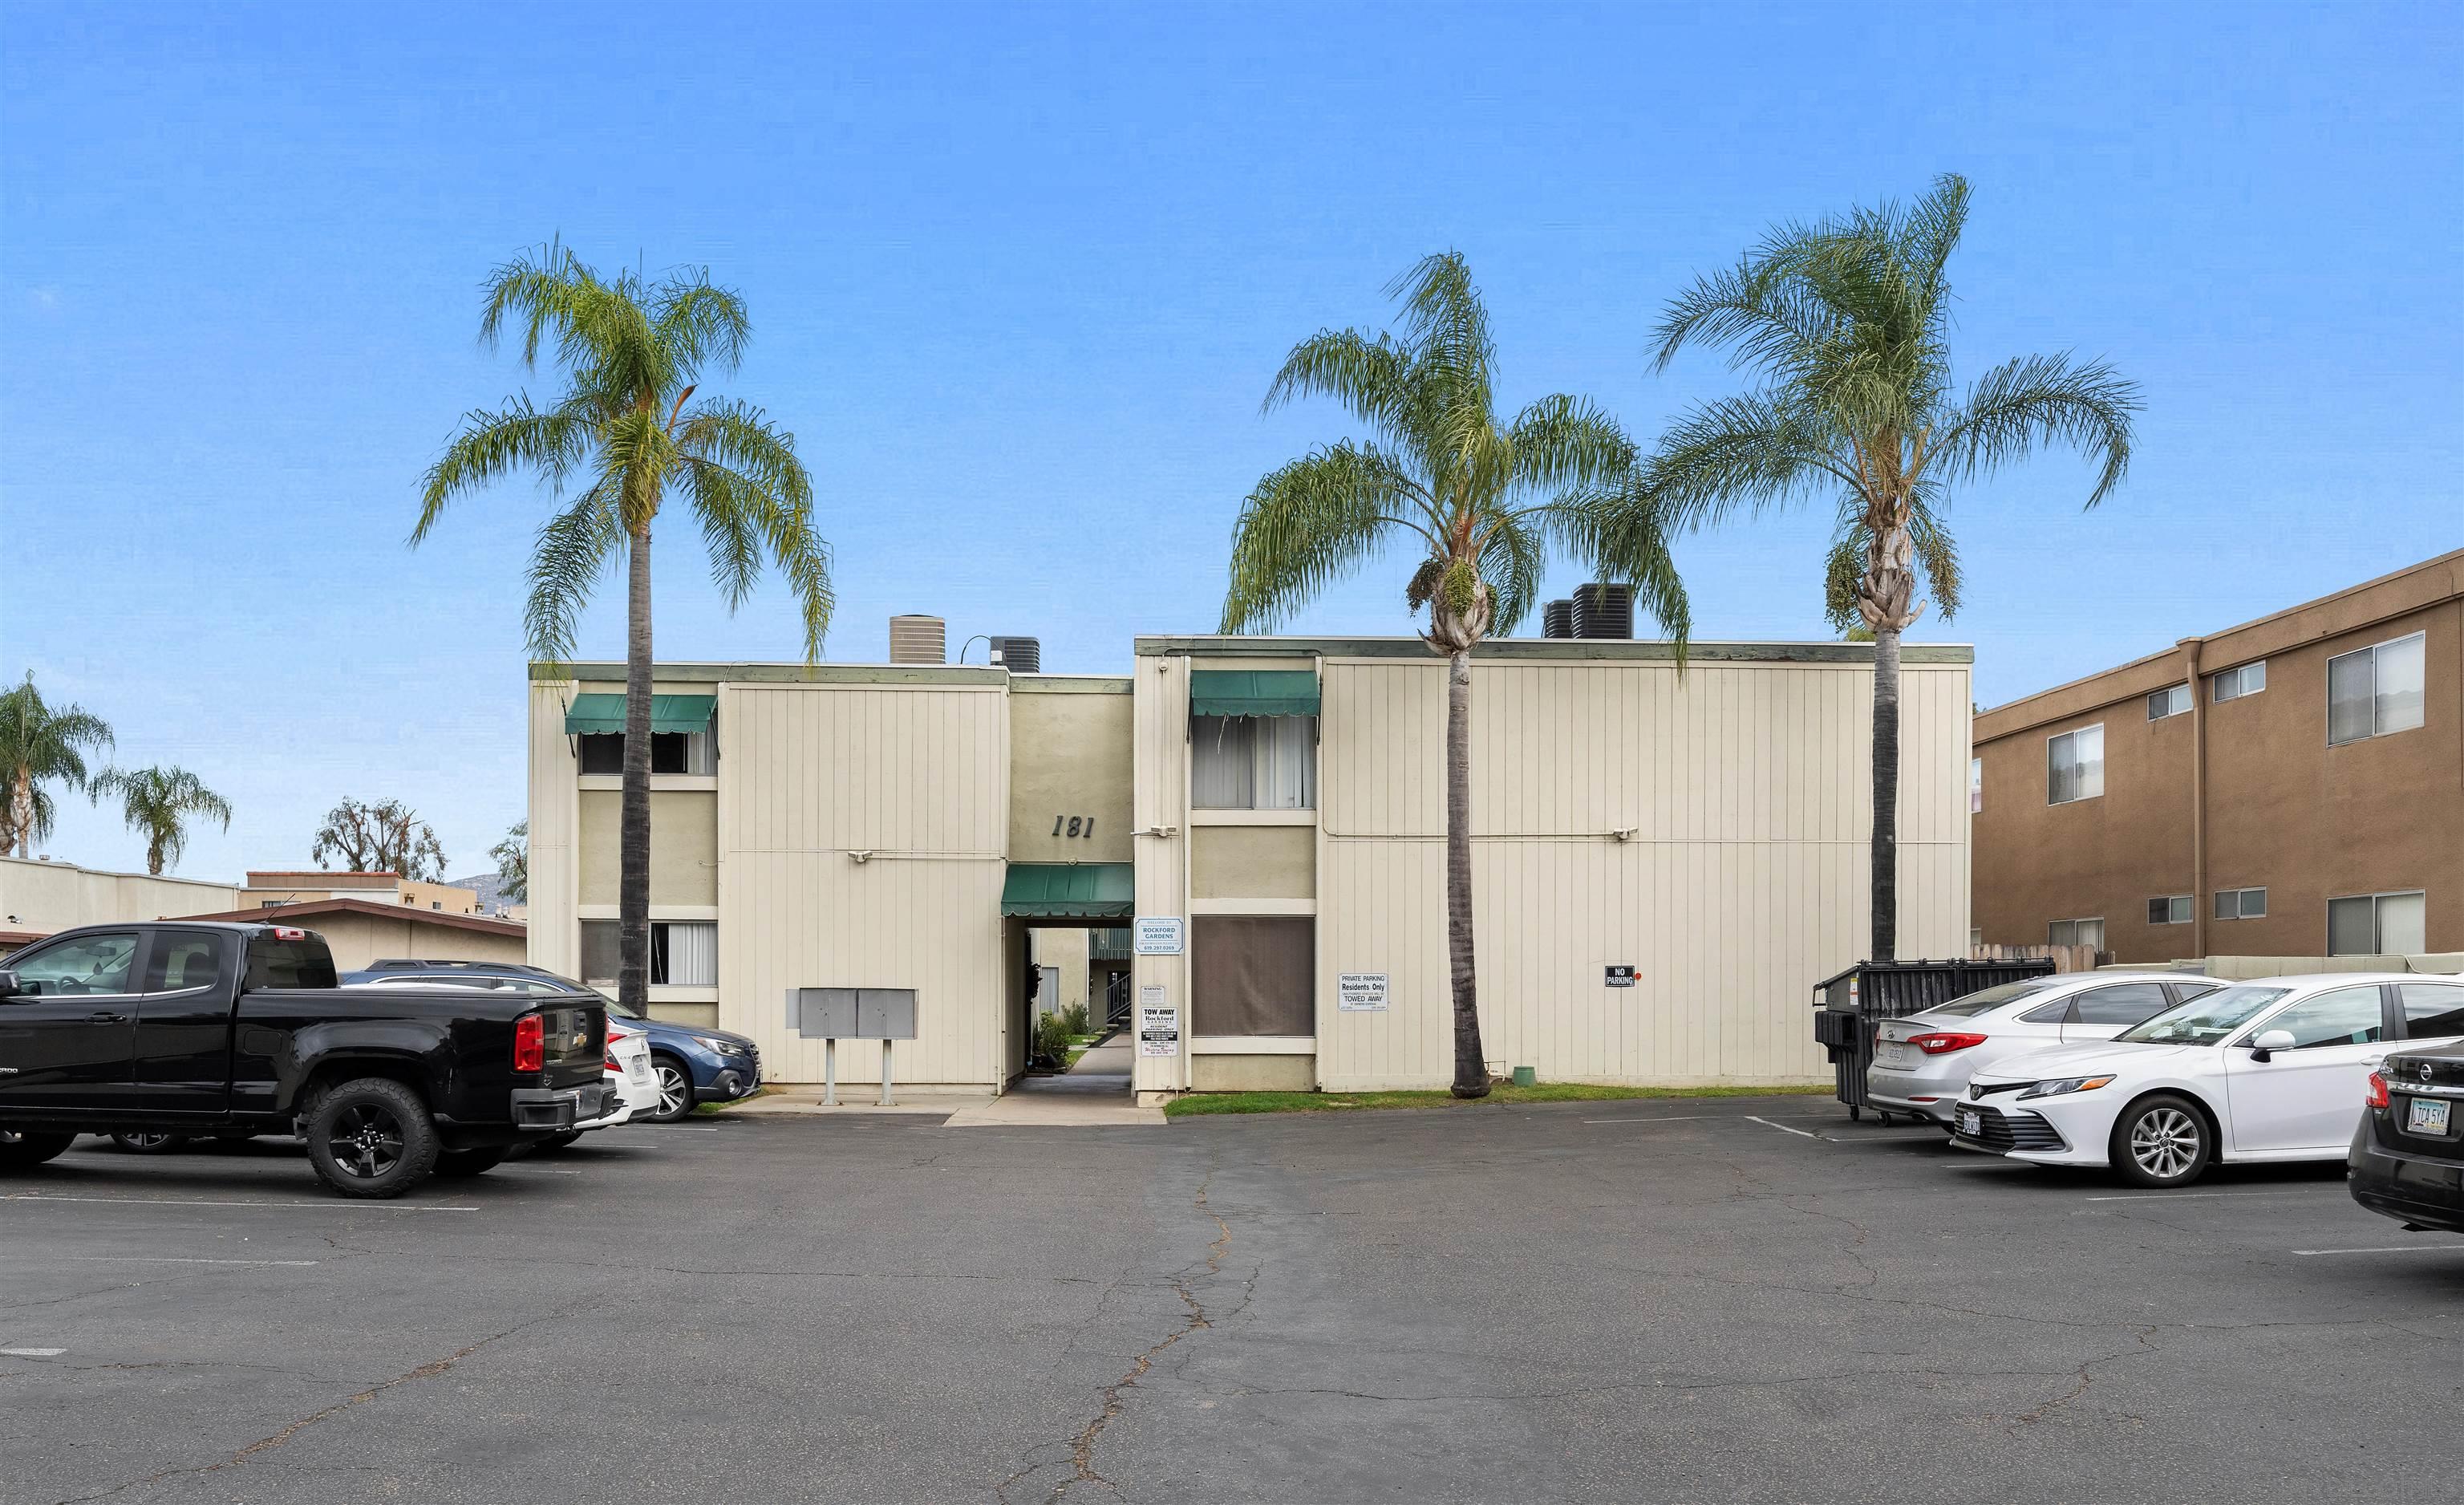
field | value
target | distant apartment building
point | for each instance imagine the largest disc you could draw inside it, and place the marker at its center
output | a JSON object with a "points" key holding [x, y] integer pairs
{"points": [[2291, 786]]}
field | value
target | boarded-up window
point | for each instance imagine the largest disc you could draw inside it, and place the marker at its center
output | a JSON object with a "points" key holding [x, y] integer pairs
{"points": [[1252, 975]]}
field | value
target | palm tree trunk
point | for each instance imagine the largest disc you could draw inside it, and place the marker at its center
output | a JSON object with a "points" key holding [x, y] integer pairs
{"points": [[21, 807], [633, 826], [1471, 1063], [1887, 793]]}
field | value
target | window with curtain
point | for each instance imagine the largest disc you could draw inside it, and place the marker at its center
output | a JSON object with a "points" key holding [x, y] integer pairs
{"points": [[684, 953], [2076, 933], [2376, 691], [670, 752], [1253, 762], [2074, 765], [2246, 680]]}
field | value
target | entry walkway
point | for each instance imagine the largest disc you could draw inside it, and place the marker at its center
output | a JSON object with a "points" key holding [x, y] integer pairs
{"points": [[1095, 1091]]}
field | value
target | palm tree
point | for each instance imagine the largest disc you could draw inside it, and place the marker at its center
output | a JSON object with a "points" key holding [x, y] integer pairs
{"points": [[40, 742], [1847, 321], [1480, 502], [626, 430], [158, 803]]}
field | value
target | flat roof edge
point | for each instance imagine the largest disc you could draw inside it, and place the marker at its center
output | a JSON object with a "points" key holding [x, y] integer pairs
{"points": [[1543, 649]]}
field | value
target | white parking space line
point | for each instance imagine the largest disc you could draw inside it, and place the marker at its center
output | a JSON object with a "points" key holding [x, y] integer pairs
{"points": [[172, 1259], [688, 1128], [2191, 1196], [1674, 1117], [2392, 1249], [187, 1202], [1782, 1128], [31, 1353]]}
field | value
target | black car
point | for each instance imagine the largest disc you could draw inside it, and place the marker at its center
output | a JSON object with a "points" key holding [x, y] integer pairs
{"points": [[2407, 1160]]}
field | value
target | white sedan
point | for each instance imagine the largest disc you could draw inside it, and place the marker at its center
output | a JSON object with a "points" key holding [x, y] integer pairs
{"points": [[628, 1073], [1922, 1063], [2276, 1068]]}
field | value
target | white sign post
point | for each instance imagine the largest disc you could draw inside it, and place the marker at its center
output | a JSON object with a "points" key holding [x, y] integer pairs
{"points": [[1158, 1027], [1157, 935], [1360, 992]]}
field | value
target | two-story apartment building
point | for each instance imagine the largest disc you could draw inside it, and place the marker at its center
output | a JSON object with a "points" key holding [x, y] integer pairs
{"points": [[2291, 786], [1664, 859]]}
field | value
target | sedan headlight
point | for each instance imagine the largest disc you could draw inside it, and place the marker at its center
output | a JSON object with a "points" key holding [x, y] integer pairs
{"points": [[2055, 1087], [718, 1047]]}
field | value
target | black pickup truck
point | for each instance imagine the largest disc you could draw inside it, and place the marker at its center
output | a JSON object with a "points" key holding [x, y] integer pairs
{"points": [[195, 1027]]}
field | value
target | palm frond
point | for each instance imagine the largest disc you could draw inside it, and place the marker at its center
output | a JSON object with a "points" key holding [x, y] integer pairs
{"points": [[494, 445], [705, 325], [1513, 559], [1368, 374], [1620, 535], [1310, 522], [2039, 399], [745, 483], [1567, 442], [1754, 451], [573, 551]]}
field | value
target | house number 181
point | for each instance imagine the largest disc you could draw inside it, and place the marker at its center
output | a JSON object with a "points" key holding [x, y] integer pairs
{"points": [[1078, 825]]}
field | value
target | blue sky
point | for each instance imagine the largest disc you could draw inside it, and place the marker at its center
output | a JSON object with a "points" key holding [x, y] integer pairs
{"points": [[1020, 275]]}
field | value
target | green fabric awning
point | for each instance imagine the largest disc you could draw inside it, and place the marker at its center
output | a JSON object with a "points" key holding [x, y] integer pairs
{"points": [[1253, 692], [1083, 890], [592, 714]]}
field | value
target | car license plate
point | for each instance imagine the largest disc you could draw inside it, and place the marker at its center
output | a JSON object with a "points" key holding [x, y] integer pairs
{"points": [[1890, 1053], [637, 1071], [2427, 1116], [1971, 1122]]}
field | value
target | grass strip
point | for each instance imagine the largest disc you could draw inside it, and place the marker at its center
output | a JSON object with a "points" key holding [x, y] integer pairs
{"points": [[1195, 1104]]}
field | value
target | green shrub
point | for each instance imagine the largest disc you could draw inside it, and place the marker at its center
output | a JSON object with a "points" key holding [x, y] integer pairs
{"points": [[1074, 1019], [1053, 1041]]}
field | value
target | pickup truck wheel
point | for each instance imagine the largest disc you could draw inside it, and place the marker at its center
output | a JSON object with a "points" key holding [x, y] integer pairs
{"points": [[371, 1137], [28, 1148], [150, 1142], [454, 1165], [675, 1090]]}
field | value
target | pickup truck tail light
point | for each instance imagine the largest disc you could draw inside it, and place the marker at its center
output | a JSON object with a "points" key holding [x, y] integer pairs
{"points": [[1941, 1042], [2377, 1097], [530, 1043]]}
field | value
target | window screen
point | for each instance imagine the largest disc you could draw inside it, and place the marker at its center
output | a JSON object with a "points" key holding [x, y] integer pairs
{"points": [[1252, 975], [2168, 702], [2432, 1009], [2375, 690], [2235, 683], [2172, 911], [2241, 903], [599, 953], [2074, 765]]}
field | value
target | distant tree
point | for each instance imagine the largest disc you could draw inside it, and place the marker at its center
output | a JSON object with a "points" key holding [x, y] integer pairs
{"points": [[512, 857], [388, 836], [158, 803], [38, 744], [1477, 501], [1847, 324], [626, 435]]}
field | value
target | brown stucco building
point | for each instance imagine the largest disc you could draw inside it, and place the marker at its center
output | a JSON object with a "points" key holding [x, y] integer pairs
{"points": [[2291, 786]]}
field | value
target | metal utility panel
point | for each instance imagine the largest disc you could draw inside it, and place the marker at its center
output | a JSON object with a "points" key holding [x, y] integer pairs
{"points": [[1020, 656], [885, 1013], [824, 1013]]}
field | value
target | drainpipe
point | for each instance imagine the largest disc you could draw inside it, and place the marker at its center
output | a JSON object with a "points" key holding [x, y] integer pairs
{"points": [[2200, 900]]}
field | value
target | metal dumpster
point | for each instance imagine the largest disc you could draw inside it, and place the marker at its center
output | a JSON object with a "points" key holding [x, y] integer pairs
{"points": [[1848, 1006]]}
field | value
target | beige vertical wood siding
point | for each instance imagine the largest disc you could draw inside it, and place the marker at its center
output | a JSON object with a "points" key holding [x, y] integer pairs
{"points": [[917, 776], [555, 774], [1745, 785], [1162, 731]]}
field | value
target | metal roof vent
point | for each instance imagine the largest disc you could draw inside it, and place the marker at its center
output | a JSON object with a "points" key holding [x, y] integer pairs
{"points": [[1020, 656], [1557, 619], [918, 640], [1603, 611]]}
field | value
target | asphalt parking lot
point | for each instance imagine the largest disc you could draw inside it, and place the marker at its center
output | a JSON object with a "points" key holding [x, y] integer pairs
{"points": [[1682, 1300]]}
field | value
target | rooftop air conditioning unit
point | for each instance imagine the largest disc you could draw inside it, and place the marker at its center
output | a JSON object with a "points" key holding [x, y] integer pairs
{"points": [[1603, 611], [918, 640], [1020, 656], [1557, 619]]}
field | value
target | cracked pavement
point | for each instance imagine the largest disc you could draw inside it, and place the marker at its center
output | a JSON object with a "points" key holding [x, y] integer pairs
{"points": [[1478, 1304]]}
